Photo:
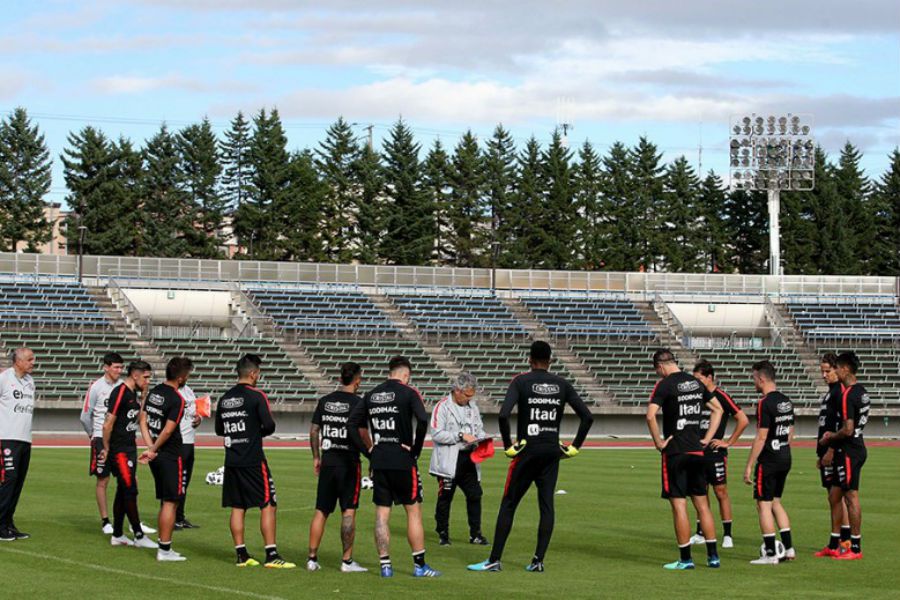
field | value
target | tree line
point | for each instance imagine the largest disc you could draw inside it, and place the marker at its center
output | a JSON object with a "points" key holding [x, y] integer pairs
{"points": [[185, 192]]}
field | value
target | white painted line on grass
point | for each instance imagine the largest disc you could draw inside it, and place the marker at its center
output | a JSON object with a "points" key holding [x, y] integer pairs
{"points": [[167, 580]]}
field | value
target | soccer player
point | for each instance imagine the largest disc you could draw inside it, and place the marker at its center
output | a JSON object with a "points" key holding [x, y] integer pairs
{"points": [[681, 397], [771, 455], [382, 426], [189, 422], [716, 453], [828, 417], [849, 452], [336, 464], [161, 415], [119, 451], [456, 429], [16, 409], [540, 398], [93, 416], [244, 418]]}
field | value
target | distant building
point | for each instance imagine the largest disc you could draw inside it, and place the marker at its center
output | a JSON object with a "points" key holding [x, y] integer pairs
{"points": [[56, 216]]}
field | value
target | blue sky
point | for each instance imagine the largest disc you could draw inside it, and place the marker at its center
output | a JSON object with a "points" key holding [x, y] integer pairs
{"points": [[612, 69]]}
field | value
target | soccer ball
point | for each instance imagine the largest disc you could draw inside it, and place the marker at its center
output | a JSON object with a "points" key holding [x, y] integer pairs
{"points": [[216, 477], [779, 550], [366, 483]]}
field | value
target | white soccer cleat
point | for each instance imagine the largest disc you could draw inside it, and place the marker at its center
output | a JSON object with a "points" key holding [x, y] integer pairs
{"points": [[145, 542], [107, 529], [353, 567], [144, 527], [313, 565], [727, 542], [765, 560], [169, 556], [120, 541], [790, 554], [698, 539]]}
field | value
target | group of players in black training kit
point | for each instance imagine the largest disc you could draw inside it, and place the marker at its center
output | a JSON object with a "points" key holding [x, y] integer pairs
{"points": [[388, 426]]}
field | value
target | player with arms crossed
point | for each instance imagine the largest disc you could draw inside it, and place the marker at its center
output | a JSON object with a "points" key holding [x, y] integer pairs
{"points": [[119, 451], [336, 464], [681, 397], [244, 418], [382, 427], [828, 421], [540, 398], [716, 453], [160, 420], [771, 454], [849, 452], [16, 410]]}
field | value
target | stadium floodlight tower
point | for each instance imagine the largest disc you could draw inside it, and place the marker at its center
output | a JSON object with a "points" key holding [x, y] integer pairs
{"points": [[772, 153]]}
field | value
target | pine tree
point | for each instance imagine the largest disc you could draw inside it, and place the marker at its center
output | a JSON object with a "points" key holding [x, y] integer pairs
{"points": [[126, 235], [645, 205], [855, 222], [295, 213], [236, 164], [169, 217], [24, 182], [436, 186], [801, 243], [714, 238], [621, 227], [590, 226], [409, 230], [519, 230], [334, 160], [883, 239], [368, 176], [680, 219], [556, 224], [499, 172], [467, 205], [745, 216], [199, 171]]}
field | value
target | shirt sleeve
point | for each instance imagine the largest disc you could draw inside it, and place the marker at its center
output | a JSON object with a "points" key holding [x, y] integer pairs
{"points": [[659, 393], [728, 404], [175, 409], [851, 405], [766, 420], [317, 414], [264, 412]]}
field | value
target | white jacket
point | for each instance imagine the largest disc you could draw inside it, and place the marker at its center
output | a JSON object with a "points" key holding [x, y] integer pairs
{"points": [[16, 406], [448, 419]]}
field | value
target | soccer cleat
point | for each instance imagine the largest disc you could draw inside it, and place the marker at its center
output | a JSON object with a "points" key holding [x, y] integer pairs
{"points": [[826, 552], [727, 542], [6, 535], [276, 562], [479, 540], [713, 562], [353, 567], [250, 562], [121, 541], [169, 556], [145, 528], [387, 571], [443, 539], [486, 566], [185, 524], [679, 565], [426, 571], [697, 539], [765, 560], [20, 535], [145, 542], [107, 529], [312, 565], [789, 554], [535, 567], [849, 555]]}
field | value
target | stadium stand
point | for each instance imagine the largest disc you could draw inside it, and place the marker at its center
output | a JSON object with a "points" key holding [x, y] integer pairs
{"points": [[457, 314], [580, 317], [48, 303], [299, 312], [622, 367]]}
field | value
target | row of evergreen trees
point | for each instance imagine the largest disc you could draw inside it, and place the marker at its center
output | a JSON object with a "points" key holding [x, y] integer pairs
{"points": [[478, 203]]}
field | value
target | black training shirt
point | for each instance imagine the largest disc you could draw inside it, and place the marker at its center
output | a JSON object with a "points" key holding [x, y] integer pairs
{"points": [[164, 404], [244, 418], [332, 415]]}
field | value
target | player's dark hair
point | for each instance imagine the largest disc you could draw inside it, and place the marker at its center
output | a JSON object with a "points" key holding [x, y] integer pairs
{"points": [[397, 362], [247, 364], [663, 355], [138, 366], [705, 368], [349, 371], [848, 359], [766, 369], [540, 351], [178, 367], [829, 358], [112, 358]]}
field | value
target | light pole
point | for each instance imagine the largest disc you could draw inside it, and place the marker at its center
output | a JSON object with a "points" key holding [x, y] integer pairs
{"points": [[81, 230], [772, 153]]}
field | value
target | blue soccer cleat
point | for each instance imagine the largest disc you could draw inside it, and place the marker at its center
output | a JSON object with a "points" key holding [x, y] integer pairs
{"points": [[426, 571], [679, 565], [535, 567], [713, 561], [387, 571], [486, 566]]}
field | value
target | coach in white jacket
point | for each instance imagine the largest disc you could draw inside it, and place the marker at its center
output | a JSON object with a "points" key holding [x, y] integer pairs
{"points": [[456, 427]]}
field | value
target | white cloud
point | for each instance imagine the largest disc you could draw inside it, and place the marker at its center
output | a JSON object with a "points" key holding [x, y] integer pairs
{"points": [[129, 84]]}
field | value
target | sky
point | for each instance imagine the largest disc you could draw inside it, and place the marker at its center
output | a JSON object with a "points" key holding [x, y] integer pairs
{"points": [[676, 72]]}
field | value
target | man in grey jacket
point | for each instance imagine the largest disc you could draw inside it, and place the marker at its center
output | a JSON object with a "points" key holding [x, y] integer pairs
{"points": [[456, 428]]}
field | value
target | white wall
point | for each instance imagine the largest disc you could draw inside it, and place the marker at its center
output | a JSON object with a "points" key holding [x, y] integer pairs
{"points": [[743, 319], [172, 307]]}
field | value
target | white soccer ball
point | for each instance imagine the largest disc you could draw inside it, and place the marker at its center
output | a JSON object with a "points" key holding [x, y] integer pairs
{"points": [[216, 477], [366, 483], [779, 550]]}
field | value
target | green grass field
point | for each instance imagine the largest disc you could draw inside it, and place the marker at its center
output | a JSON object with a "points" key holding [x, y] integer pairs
{"points": [[612, 535]]}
